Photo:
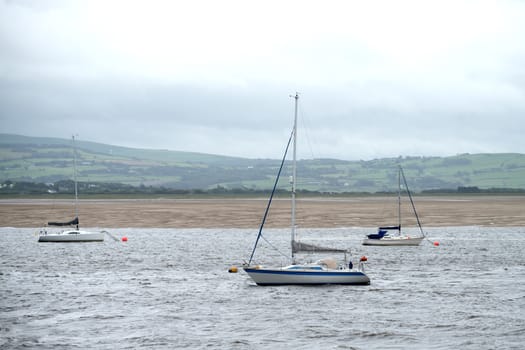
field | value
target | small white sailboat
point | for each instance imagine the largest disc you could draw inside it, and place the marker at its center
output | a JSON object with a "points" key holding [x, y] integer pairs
{"points": [[392, 235], [50, 233], [323, 271], [68, 235]]}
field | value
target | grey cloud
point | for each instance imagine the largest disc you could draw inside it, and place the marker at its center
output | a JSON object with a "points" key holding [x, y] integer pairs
{"points": [[358, 101]]}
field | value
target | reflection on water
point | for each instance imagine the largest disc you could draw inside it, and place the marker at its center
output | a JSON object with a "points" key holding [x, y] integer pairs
{"points": [[169, 288]]}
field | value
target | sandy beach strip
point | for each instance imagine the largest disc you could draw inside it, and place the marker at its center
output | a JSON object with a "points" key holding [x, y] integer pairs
{"points": [[435, 211]]}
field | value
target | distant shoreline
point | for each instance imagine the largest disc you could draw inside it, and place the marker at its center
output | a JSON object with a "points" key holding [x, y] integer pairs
{"points": [[320, 212]]}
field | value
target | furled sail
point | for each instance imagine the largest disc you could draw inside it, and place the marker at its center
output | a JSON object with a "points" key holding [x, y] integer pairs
{"points": [[390, 228], [298, 247], [69, 223]]}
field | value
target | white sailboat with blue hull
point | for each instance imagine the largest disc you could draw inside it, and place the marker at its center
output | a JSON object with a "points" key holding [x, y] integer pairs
{"points": [[321, 272], [393, 235]]}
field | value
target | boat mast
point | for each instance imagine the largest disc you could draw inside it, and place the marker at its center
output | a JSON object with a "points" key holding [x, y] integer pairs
{"points": [[399, 199], [75, 175], [294, 169]]}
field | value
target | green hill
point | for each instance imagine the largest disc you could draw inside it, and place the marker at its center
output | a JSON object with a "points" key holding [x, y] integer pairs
{"points": [[35, 159]]}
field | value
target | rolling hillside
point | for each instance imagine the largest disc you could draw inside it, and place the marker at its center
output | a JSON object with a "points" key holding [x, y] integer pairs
{"points": [[49, 160]]}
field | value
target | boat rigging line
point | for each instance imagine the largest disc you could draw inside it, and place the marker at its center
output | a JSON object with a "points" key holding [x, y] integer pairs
{"points": [[435, 243], [110, 235], [411, 201], [271, 197]]}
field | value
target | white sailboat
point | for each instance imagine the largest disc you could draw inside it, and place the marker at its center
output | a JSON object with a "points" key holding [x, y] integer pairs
{"points": [[324, 271], [393, 235], [51, 233]]}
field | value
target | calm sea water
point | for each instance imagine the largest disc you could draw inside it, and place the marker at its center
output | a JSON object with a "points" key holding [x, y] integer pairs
{"points": [[169, 288]]}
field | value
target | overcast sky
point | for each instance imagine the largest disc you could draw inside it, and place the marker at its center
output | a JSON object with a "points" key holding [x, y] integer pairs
{"points": [[376, 78]]}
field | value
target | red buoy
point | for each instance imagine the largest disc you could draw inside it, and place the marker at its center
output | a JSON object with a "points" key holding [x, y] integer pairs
{"points": [[124, 239], [364, 258], [436, 243]]}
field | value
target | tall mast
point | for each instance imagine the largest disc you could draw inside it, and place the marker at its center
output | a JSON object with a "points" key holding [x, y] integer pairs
{"points": [[75, 175], [399, 198], [294, 167]]}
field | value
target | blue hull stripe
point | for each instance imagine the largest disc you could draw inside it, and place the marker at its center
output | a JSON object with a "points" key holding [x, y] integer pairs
{"points": [[306, 273]]}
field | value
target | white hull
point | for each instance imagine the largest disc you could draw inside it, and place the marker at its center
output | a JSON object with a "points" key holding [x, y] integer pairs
{"points": [[394, 241], [71, 236], [277, 277]]}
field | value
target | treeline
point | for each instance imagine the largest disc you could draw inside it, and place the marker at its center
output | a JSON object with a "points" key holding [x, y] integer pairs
{"points": [[67, 187], [474, 190]]}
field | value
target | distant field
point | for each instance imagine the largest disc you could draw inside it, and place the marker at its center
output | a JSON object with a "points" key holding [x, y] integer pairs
{"points": [[49, 160]]}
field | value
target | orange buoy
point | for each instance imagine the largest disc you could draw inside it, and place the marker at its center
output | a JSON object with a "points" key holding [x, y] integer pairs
{"points": [[233, 269], [363, 258], [124, 239], [436, 243]]}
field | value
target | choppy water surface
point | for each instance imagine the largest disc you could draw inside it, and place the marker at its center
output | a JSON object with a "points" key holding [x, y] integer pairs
{"points": [[169, 288]]}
